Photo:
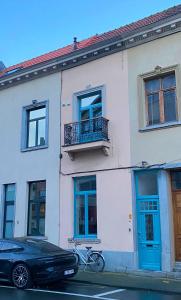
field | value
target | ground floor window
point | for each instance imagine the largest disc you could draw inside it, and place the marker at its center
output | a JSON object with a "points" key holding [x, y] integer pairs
{"points": [[9, 203], [85, 207], [37, 206]]}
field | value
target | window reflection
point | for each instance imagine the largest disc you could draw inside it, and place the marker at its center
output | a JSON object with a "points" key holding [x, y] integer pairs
{"points": [[160, 95], [37, 207], [85, 206], [36, 127], [9, 210]]}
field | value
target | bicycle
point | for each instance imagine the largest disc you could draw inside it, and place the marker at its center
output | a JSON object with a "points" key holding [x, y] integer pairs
{"points": [[92, 258]]}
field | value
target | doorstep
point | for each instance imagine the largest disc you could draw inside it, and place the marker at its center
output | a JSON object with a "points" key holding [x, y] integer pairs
{"points": [[160, 281], [177, 267]]}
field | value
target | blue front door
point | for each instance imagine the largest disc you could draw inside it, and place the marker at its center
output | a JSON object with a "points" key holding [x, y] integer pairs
{"points": [[148, 221]]}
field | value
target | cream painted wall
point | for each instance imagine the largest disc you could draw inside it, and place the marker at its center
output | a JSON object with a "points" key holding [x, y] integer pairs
{"points": [[21, 167], [114, 199], [157, 146]]}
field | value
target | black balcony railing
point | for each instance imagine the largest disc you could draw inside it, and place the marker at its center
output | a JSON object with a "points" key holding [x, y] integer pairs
{"points": [[90, 130]]}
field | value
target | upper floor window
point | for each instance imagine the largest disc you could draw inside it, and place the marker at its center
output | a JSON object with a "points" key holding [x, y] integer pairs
{"points": [[35, 126], [161, 99], [90, 105], [90, 116]]}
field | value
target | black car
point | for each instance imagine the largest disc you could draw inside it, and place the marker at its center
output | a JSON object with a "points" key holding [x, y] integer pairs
{"points": [[25, 261]]}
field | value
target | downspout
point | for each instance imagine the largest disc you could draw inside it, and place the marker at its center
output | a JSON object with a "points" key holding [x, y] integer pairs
{"points": [[59, 221]]}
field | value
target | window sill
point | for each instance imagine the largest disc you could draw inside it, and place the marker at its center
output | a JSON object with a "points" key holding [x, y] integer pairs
{"points": [[160, 126], [84, 240], [37, 237], [34, 148]]}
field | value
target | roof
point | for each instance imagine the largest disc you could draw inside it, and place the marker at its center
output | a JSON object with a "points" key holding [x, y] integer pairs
{"points": [[127, 29]]}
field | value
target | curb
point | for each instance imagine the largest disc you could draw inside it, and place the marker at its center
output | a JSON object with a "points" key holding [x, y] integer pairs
{"points": [[132, 281]]}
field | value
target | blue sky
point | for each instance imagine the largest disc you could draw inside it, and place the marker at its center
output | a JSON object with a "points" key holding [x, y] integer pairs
{"points": [[29, 28]]}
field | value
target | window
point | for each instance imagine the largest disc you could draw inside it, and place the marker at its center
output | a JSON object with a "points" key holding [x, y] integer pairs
{"points": [[90, 116], [35, 126], [90, 106], [149, 227], [37, 206], [9, 203], [176, 180], [147, 183], [8, 246], [161, 99], [85, 207]]}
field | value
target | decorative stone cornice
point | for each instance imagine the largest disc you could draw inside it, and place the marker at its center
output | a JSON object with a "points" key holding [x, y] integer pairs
{"points": [[90, 53]]}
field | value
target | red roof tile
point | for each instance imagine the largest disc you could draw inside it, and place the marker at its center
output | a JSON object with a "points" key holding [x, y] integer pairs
{"points": [[97, 38]]}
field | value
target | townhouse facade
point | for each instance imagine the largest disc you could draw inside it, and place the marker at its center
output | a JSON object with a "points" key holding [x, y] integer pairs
{"points": [[90, 145], [96, 192], [30, 150], [155, 98]]}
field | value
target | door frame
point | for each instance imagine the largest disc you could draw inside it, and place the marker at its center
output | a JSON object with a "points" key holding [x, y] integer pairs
{"points": [[146, 197]]}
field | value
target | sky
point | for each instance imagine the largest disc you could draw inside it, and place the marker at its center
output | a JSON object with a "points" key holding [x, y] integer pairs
{"points": [[29, 28]]}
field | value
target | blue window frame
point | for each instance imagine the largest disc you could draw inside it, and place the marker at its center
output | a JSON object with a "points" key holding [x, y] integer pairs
{"points": [[85, 207], [35, 126], [90, 113], [90, 105]]}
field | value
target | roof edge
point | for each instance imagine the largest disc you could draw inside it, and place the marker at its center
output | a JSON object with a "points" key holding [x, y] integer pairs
{"points": [[139, 36]]}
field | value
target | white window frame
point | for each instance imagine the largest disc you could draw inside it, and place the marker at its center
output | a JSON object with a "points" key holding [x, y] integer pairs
{"points": [[24, 133]]}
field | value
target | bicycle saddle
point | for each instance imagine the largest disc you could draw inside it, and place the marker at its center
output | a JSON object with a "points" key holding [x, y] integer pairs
{"points": [[88, 248]]}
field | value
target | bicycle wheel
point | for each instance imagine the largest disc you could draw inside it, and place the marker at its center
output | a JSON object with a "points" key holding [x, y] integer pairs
{"points": [[96, 262]]}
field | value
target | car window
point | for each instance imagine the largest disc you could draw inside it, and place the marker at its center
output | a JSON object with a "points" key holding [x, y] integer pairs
{"points": [[8, 246], [43, 246]]}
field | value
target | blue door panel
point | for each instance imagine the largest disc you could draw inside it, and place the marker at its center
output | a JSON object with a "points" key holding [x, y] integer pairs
{"points": [[148, 230]]}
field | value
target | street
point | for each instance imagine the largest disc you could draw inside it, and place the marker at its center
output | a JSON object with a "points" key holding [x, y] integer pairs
{"points": [[76, 290]]}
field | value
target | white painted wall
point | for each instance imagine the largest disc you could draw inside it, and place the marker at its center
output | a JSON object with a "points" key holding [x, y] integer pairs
{"points": [[21, 167]]}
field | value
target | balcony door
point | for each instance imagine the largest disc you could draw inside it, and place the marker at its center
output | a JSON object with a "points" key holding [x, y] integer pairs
{"points": [[90, 111]]}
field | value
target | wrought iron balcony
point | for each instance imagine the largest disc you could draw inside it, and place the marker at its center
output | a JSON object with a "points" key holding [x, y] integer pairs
{"points": [[87, 131]]}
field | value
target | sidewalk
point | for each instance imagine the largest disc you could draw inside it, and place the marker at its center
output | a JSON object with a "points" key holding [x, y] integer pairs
{"points": [[139, 280]]}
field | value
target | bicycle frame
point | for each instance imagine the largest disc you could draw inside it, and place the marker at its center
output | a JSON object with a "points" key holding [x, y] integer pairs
{"points": [[85, 259]]}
